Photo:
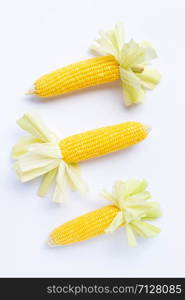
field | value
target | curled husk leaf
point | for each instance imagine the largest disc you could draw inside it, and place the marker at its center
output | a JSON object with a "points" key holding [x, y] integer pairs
{"points": [[133, 59], [39, 154], [131, 198]]}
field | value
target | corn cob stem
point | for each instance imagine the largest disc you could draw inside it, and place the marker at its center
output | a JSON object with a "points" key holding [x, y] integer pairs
{"points": [[84, 227], [76, 76]]}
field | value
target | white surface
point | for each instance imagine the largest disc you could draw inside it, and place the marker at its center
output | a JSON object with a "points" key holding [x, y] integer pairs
{"points": [[39, 36]]}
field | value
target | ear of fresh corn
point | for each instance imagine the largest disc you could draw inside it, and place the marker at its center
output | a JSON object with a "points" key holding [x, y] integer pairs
{"points": [[127, 61], [44, 154], [130, 209], [76, 76], [101, 141], [84, 227]]}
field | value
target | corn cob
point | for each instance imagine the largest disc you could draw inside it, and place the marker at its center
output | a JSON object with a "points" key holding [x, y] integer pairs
{"points": [[101, 141], [43, 153], [84, 227], [76, 76], [120, 60], [130, 209]]}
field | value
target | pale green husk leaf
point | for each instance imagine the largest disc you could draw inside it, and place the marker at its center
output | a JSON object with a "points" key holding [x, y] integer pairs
{"points": [[133, 59], [131, 198], [39, 154]]}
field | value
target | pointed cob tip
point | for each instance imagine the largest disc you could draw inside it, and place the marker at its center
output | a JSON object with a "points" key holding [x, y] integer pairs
{"points": [[51, 242], [31, 90], [147, 128]]}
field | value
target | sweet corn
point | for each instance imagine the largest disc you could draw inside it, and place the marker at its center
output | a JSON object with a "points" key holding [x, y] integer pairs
{"points": [[119, 60], [42, 153], [84, 227], [76, 76], [130, 209], [101, 141]]}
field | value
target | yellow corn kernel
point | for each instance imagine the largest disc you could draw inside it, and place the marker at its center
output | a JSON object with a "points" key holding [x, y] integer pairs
{"points": [[83, 227], [76, 76], [102, 141]]}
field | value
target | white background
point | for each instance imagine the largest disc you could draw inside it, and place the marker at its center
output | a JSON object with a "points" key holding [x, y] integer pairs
{"points": [[40, 35]]}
